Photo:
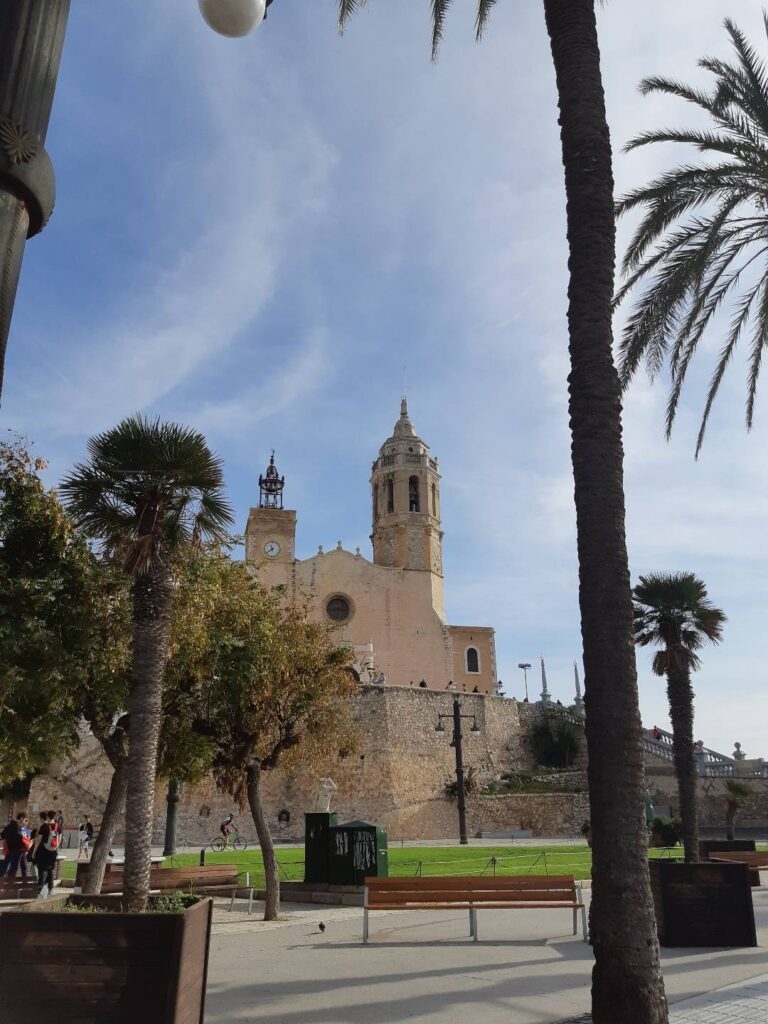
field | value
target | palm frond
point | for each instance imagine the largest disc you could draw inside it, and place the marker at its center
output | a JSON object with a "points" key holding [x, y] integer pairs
{"points": [[692, 261], [149, 489], [483, 14]]}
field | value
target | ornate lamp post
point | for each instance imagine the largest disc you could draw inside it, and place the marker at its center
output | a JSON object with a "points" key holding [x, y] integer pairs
{"points": [[456, 743], [31, 41]]}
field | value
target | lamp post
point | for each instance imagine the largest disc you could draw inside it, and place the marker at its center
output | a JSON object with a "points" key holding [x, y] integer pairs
{"points": [[31, 42], [174, 789], [525, 665], [456, 743]]}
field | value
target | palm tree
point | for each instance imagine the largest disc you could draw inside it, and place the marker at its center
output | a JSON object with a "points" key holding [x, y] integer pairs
{"points": [[736, 795], [673, 612], [150, 491], [703, 238], [627, 982]]}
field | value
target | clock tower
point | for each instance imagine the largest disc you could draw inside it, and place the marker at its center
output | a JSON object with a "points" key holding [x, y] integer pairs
{"points": [[270, 535], [405, 485]]}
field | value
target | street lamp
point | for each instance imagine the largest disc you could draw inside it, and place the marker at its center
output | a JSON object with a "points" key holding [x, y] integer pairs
{"points": [[456, 741], [233, 18], [525, 665], [31, 41]]}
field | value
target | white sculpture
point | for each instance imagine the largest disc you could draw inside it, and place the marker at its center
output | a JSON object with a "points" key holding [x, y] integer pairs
{"points": [[325, 790]]}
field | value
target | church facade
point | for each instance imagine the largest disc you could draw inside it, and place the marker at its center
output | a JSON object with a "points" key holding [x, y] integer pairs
{"points": [[390, 609]]}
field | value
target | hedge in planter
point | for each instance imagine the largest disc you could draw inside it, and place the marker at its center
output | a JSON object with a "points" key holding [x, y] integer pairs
{"points": [[82, 960]]}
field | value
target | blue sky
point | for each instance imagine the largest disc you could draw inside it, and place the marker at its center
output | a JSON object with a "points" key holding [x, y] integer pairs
{"points": [[256, 236]]}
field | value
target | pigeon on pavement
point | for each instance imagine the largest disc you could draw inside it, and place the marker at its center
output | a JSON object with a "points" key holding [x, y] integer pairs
{"points": [[321, 926]]}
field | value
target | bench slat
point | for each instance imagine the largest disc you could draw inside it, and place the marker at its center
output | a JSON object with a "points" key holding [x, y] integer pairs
{"points": [[472, 881], [756, 859], [454, 895], [477, 905]]}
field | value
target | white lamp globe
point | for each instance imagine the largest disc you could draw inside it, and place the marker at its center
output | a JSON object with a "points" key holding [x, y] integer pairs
{"points": [[233, 18]]}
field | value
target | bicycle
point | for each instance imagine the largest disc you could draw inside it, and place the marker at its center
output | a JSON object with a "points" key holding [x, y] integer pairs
{"points": [[234, 841]]}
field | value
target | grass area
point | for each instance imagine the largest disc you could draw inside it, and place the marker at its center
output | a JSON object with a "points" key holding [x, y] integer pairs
{"points": [[547, 859], [429, 860]]}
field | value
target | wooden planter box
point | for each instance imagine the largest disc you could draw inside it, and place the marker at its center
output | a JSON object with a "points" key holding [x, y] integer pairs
{"points": [[108, 968], [707, 904]]}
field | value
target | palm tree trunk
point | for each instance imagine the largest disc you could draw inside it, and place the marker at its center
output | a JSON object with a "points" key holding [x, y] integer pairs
{"points": [[272, 879], [151, 628], [94, 877], [680, 694], [730, 820], [627, 985]]}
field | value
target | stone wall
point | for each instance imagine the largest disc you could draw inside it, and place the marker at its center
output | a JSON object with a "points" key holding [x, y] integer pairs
{"points": [[397, 777], [711, 799]]}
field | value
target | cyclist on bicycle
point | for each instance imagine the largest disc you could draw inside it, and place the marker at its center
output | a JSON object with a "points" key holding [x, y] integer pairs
{"points": [[227, 827]]}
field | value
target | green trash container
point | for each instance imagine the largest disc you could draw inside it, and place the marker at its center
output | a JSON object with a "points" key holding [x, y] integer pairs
{"points": [[317, 845], [358, 850]]}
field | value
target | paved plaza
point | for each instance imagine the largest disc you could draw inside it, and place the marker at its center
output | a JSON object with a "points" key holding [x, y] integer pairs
{"points": [[422, 967]]}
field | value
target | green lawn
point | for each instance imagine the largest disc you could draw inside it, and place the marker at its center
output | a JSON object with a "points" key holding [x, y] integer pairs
{"points": [[430, 860], [425, 860]]}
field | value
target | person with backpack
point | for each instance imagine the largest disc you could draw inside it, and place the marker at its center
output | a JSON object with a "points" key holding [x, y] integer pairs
{"points": [[46, 851]]}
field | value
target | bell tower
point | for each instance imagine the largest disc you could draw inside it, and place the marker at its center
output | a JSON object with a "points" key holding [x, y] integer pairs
{"points": [[270, 534], [405, 487]]}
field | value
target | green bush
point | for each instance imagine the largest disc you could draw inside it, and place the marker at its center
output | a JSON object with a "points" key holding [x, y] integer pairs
{"points": [[665, 831], [555, 742]]}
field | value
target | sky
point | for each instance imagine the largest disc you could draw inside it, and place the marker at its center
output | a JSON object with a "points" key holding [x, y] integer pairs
{"points": [[269, 238]]}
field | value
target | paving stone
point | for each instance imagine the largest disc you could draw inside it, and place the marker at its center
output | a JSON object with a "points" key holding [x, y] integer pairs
{"points": [[746, 1003]]}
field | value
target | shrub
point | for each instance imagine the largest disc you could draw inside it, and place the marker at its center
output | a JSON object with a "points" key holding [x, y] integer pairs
{"points": [[555, 742], [665, 831]]}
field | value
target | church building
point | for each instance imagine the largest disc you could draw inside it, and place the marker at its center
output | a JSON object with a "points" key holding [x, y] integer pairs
{"points": [[391, 610]]}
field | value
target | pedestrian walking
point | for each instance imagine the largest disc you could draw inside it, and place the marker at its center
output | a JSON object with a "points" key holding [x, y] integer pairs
{"points": [[46, 852], [15, 846]]}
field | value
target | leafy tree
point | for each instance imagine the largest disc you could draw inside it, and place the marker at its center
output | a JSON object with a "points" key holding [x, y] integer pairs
{"points": [[555, 742], [42, 589], [673, 612], [701, 243], [737, 793], [626, 984], [258, 684], [150, 491]]}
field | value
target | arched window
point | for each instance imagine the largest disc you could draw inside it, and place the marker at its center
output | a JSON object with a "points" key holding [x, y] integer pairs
{"points": [[375, 502], [434, 500], [413, 494], [390, 494], [472, 656]]}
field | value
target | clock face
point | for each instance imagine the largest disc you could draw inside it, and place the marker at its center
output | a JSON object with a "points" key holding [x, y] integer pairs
{"points": [[271, 549]]}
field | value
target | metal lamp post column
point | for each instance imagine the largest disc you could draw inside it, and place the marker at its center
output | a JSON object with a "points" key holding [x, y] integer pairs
{"points": [[174, 788], [457, 716], [460, 794], [31, 41]]}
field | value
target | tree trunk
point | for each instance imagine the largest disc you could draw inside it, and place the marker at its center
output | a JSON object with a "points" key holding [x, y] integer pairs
{"points": [[272, 908], [730, 820], [151, 628], [680, 695], [94, 876], [627, 985]]}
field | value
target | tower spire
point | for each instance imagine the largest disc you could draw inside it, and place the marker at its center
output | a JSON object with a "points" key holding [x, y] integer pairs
{"points": [[271, 486]]}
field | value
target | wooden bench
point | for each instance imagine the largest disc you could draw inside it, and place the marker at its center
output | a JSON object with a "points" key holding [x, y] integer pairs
{"points": [[15, 889], [757, 860], [207, 880], [473, 893]]}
